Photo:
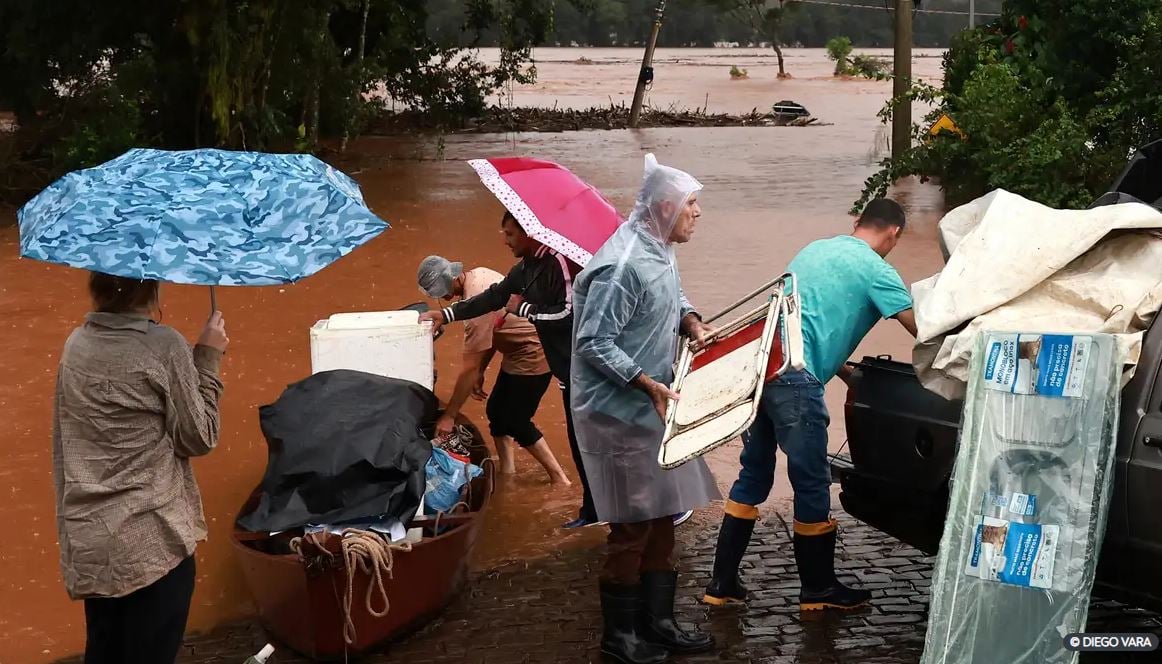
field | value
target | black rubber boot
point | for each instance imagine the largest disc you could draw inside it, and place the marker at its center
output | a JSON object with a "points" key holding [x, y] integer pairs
{"points": [[621, 609], [815, 556], [657, 621], [725, 586]]}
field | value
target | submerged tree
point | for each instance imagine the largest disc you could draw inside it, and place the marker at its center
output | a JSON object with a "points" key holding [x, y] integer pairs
{"points": [[765, 18], [839, 51]]}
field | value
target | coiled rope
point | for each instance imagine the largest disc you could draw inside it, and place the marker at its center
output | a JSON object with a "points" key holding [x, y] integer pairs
{"points": [[366, 552]]}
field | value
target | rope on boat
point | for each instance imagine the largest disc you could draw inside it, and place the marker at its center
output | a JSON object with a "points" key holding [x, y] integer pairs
{"points": [[296, 545], [440, 514], [365, 552], [372, 555], [369, 553]]}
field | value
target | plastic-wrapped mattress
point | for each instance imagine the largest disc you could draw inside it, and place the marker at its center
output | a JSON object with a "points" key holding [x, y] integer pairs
{"points": [[1029, 498]]}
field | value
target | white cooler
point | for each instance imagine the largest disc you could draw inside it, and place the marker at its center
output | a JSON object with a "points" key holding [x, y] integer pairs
{"points": [[388, 343]]}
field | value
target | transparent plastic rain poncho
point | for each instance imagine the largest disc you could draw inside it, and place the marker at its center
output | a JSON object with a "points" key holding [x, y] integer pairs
{"points": [[1030, 494], [628, 305]]}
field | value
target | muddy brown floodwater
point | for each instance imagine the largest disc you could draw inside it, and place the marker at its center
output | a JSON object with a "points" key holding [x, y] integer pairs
{"points": [[769, 191]]}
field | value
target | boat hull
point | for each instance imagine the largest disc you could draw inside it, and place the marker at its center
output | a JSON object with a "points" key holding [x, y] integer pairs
{"points": [[300, 601]]}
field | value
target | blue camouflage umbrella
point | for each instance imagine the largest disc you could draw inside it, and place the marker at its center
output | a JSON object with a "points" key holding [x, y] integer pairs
{"points": [[207, 217]]}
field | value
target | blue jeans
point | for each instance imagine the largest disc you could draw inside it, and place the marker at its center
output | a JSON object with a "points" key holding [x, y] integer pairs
{"points": [[793, 416]]}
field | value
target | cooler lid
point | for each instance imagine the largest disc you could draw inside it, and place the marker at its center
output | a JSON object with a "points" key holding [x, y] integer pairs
{"points": [[371, 320]]}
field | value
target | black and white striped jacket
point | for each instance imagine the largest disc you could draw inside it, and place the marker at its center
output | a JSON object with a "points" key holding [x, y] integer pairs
{"points": [[545, 283]]}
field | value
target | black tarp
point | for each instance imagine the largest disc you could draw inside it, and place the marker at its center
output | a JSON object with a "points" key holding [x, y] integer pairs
{"points": [[343, 445]]}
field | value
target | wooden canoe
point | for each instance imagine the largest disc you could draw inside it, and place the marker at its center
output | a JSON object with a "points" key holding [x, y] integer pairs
{"points": [[300, 600]]}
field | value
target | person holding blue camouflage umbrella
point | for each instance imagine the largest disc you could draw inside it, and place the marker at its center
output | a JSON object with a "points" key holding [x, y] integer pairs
{"points": [[134, 401]]}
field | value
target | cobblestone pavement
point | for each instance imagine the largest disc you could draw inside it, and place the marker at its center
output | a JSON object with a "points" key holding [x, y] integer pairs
{"points": [[547, 610]]}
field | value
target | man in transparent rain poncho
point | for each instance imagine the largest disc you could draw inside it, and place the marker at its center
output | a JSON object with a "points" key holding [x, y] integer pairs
{"points": [[629, 311]]}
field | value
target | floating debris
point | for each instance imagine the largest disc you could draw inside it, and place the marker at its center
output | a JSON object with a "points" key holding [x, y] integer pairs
{"points": [[501, 120], [790, 109]]}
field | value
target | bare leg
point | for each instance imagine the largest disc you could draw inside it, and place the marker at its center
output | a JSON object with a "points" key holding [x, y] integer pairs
{"points": [[504, 451], [541, 452]]}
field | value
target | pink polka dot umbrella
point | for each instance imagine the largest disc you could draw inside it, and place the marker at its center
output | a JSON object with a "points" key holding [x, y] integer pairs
{"points": [[554, 206]]}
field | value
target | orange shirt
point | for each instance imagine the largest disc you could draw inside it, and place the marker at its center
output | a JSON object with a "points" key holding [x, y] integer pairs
{"points": [[516, 339]]}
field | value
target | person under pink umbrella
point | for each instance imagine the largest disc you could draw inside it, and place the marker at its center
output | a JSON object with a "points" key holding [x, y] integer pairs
{"points": [[524, 375], [554, 223], [540, 289]]}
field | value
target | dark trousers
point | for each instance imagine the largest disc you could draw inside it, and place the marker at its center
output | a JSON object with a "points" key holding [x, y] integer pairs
{"points": [[634, 548], [588, 511], [513, 404], [144, 627]]}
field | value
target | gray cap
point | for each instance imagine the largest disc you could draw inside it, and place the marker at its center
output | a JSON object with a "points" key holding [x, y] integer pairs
{"points": [[436, 275]]}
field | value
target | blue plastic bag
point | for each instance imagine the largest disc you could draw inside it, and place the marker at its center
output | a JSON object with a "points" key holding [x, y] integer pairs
{"points": [[446, 477]]}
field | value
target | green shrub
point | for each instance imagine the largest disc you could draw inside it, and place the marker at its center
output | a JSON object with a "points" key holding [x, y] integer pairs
{"points": [[1041, 111], [838, 51], [868, 66]]}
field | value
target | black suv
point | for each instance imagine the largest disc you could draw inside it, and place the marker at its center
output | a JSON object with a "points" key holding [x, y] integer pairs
{"points": [[902, 441]]}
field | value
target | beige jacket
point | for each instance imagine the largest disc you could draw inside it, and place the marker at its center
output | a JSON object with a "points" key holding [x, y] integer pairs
{"points": [[133, 404]]}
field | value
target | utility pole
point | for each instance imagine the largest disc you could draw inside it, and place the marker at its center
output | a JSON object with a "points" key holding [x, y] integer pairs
{"points": [[902, 79], [971, 14], [646, 75]]}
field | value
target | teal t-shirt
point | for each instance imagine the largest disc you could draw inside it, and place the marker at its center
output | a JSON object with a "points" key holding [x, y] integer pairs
{"points": [[844, 289]]}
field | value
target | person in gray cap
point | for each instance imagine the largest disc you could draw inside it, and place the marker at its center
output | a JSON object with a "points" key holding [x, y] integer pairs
{"points": [[524, 373], [539, 289], [437, 276]]}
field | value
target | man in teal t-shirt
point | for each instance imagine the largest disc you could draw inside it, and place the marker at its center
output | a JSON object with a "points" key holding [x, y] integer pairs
{"points": [[845, 287]]}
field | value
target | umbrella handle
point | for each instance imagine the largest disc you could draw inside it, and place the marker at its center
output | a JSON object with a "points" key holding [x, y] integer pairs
{"points": [[213, 300]]}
